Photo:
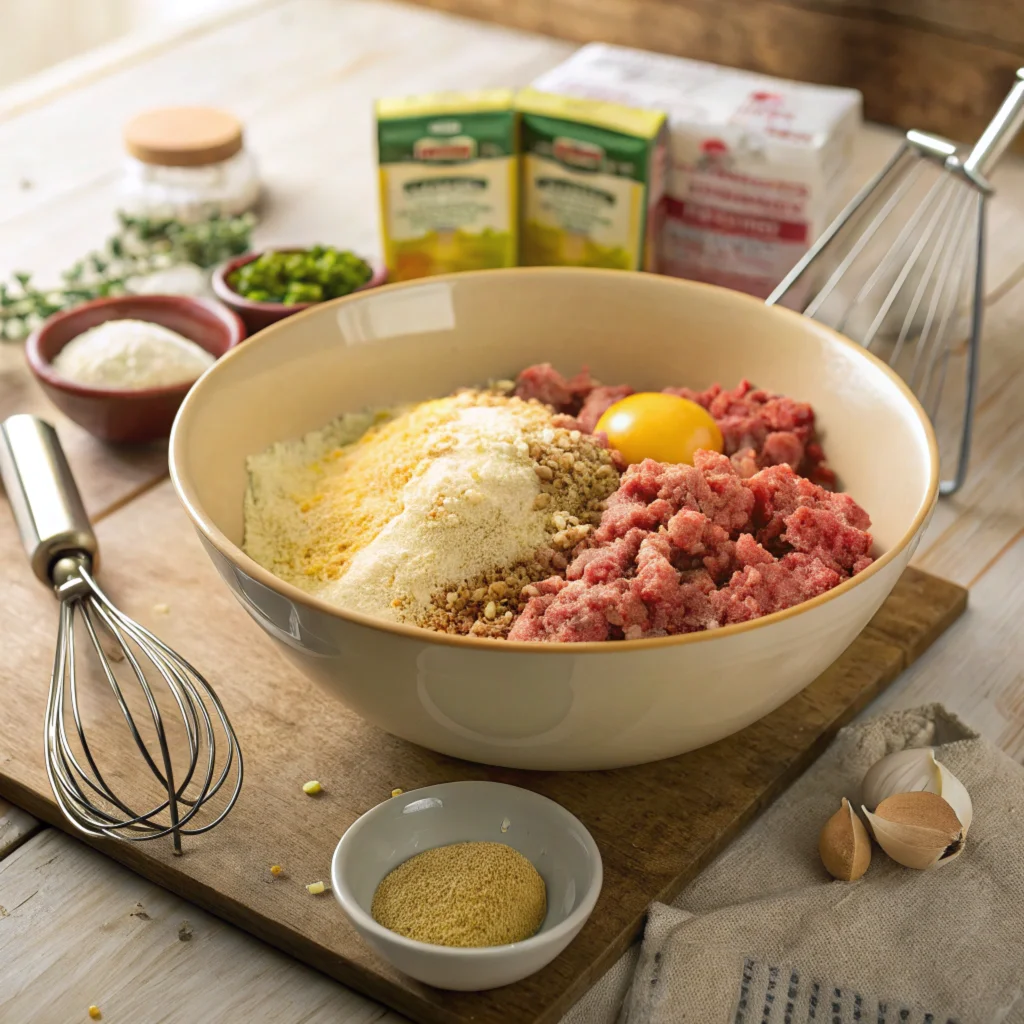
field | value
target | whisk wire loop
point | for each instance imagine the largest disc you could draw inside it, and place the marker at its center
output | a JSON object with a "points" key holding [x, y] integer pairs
{"points": [[82, 791]]}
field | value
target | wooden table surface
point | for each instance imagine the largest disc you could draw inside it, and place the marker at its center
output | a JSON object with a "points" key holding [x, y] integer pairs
{"points": [[77, 929]]}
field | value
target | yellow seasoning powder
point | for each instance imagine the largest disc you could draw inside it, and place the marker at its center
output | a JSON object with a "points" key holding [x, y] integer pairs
{"points": [[466, 894]]}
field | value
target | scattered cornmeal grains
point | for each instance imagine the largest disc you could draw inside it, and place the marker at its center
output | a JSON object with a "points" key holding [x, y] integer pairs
{"points": [[94, 1012], [311, 788], [397, 792], [315, 888], [275, 870], [465, 894]]}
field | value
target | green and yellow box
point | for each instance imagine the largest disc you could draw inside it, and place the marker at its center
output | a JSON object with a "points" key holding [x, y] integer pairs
{"points": [[448, 182], [592, 182]]}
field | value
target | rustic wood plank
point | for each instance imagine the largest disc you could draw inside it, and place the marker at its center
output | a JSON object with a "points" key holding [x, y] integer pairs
{"points": [[977, 18], [314, 138], [140, 45], [656, 824], [913, 74], [975, 526], [977, 668], [16, 826], [79, 930]]}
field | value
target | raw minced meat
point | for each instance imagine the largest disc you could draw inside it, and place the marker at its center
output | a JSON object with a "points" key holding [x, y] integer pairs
{"points": [[684, 548]]}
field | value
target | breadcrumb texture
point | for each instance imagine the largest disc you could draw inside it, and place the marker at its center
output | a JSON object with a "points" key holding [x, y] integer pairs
{"points": [[465, 894]]}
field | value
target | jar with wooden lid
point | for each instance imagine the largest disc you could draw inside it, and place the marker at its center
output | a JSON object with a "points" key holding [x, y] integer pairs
{"points": [[188, 163]]}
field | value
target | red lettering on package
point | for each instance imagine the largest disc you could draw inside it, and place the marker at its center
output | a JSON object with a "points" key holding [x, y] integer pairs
{"points": [[727, 222]]}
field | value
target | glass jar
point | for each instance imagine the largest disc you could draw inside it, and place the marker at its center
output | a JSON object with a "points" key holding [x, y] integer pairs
{"points": [[187, 163]]}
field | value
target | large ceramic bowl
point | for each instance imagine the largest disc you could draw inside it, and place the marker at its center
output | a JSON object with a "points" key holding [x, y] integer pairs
{"points": [[552, 706]]}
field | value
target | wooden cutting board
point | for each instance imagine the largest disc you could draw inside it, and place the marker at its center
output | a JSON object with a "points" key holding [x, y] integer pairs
{"points": [[656, 825]]}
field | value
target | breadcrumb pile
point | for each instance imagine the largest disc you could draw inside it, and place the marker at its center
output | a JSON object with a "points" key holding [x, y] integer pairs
{"points": [[465, 894]]}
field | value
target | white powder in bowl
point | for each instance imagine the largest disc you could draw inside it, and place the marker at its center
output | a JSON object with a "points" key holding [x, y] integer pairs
{"points": [[131, 354], [471, 507]]}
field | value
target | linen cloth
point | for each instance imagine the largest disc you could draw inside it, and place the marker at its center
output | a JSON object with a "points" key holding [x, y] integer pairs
{"points": [[763, 936]]}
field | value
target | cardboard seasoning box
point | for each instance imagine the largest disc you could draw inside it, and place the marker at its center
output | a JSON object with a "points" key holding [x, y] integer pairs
{"points": [[448, 182], [758, 165], [593, 181]]}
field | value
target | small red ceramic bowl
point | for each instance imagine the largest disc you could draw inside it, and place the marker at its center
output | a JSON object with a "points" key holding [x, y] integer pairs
{"points": [[120, 415], [257, 315]]}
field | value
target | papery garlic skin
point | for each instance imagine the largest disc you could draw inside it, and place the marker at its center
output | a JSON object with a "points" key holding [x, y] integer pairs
{"points": [[917, 829], [916, 771], [954, 792]]}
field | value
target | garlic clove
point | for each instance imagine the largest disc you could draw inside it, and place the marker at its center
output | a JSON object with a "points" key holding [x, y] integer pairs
{"points": [[844, 845], [911, 771], [917, 829]]}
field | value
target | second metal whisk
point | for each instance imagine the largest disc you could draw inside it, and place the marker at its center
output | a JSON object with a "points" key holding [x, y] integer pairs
{"points": [[62, 548], [901, 270]]}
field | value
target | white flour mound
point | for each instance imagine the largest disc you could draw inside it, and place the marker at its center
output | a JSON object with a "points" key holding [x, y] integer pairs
{"points": [[471, 509]]}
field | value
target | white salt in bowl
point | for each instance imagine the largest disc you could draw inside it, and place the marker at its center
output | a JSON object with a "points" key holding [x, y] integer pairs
{"points": [[553, 840], [552, 706]]}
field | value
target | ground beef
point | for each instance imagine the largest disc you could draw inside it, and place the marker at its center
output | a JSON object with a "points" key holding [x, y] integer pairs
{"points": [[759, 428], [686, 548], [543, 382]]}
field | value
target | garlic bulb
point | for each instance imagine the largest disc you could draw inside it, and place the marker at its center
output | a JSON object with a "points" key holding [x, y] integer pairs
{"points": [[844, 845], [912, 771], [918, 829]]}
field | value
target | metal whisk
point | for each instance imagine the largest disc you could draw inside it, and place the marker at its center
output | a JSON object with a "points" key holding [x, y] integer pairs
{"points": [[901, 269], [62, 548]]}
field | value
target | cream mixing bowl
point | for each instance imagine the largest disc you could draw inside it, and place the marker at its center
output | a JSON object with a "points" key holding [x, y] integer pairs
{"points": [[552, 706]]}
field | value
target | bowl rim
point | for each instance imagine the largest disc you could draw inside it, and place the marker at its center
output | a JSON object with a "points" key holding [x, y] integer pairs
{"points": [[42, 367], [572, 923], [236, 556], [228, 295]]}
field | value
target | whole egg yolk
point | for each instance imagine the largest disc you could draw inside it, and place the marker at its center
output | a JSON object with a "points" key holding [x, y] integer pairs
{"points": [[666, 428]]}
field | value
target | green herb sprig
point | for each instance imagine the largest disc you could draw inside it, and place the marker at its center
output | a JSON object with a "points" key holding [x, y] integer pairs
{"points": [[141, 246]]}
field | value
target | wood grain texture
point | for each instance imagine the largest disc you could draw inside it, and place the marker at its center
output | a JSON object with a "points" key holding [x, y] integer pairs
{"points": [[656, 825], [123, 929], [16, 826], [914, 72], [987, 515]]}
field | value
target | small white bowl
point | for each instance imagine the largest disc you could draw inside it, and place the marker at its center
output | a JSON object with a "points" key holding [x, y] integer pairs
{"points": [[552, 839]]}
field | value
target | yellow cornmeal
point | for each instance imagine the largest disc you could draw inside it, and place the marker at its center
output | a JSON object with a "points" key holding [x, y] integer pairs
{"points": [[357, 489], [466, 894]]}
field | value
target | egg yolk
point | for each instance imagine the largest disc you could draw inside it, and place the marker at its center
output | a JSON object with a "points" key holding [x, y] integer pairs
{"points": [[650, 425]]}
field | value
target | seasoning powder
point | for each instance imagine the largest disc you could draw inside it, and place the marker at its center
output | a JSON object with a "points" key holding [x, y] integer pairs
{"points": [[593, 182], [447, 182], [466, 894]]}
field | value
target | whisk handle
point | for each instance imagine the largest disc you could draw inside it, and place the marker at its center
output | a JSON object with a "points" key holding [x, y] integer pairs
{"points": [[1001, 131], [43, 495]]}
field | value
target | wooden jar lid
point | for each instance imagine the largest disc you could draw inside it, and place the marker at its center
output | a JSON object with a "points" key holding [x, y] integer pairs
{"points": [[183, 136]]}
